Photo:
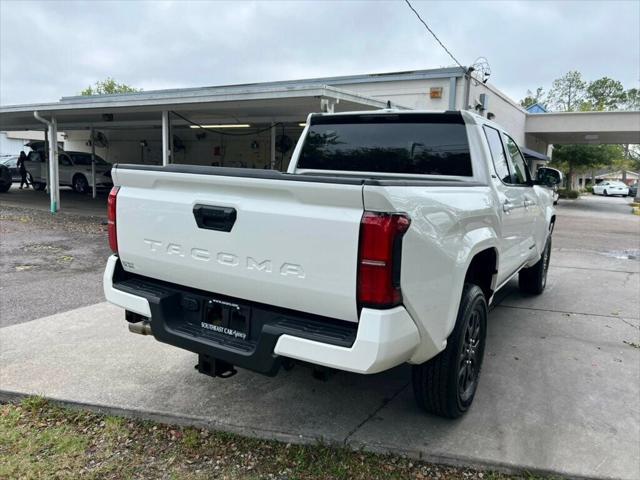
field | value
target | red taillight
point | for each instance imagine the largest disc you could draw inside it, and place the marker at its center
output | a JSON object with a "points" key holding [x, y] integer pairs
{"points": [[111, 219], [379, 259]]}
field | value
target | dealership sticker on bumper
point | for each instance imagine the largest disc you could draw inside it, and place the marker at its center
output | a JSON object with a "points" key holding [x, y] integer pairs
{"points": [[227, 331]]}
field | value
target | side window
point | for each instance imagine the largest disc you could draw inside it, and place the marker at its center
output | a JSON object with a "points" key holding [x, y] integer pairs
{"points": [[520, 174], [64, 160], [497, 153]]}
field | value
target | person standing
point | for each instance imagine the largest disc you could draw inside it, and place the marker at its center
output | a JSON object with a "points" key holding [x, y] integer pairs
{"points": [[22, 168]]}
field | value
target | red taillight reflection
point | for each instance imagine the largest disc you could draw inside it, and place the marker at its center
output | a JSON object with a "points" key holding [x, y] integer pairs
{"points": [[379, 259], [111, 219]]}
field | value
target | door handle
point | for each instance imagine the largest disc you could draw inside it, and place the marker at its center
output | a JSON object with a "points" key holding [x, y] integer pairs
{"points": [[215, 218], [528, 203], [507, 206]]}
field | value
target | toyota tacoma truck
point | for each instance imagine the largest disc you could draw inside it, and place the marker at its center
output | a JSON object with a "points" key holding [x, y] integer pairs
{"points": [[383, 244]]}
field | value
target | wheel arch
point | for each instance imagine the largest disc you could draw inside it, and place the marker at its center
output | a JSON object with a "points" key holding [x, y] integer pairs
{"points": [[482, 271]]}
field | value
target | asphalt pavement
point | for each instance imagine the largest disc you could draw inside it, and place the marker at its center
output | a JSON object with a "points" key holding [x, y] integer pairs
{"points": [[70, 202], [558, 394], [48, 263]]}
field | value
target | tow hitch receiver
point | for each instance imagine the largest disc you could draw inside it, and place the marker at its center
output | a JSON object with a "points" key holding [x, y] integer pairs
{"points": [[214, 367]]}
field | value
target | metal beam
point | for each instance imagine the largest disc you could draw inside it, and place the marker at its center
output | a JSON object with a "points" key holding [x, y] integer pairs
{"points": [[166, 149], [273, 146], [54, 187], [93, 162], [53, 182]]}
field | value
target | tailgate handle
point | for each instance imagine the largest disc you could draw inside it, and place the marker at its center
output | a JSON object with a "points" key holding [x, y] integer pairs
{"points": [[215, 218]]}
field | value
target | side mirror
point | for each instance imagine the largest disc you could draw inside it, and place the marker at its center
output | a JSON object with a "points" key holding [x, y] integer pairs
{"points": [[549, 177]]}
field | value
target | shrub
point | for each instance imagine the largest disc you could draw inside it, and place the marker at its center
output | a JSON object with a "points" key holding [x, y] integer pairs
{"points": [[570, 194]]}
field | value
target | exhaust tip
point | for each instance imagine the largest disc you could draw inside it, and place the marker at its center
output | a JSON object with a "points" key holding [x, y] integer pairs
{"points": [[141, 328]]}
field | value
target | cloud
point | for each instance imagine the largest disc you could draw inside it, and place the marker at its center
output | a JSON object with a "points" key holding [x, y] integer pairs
{"points": [[52, 49]]}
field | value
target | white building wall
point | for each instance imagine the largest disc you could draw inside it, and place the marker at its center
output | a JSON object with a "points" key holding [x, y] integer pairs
{"points": [[407, 93], [10, 146], [506, 112]]}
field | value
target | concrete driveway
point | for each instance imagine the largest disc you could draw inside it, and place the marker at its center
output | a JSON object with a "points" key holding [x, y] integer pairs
{"points": [[559, 390]]}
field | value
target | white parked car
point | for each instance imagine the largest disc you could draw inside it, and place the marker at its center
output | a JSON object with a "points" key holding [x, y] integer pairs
{"points": [[611, 188], [383, 244], [74, 170]]}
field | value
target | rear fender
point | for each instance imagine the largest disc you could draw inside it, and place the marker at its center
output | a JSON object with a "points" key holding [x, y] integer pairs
{"points": [[436, 311]]}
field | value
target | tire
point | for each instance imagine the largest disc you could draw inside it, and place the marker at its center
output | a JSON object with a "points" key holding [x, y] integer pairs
{"points": [[446, 384], [533, 280], [605, 193], [80, 184], [39, 186], [4, 187]]}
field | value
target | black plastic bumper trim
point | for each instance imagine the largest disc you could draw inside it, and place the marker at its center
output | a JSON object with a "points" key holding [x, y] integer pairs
{"points": [[177, 312]]}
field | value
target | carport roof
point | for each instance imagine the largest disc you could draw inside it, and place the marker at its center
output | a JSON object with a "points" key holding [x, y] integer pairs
{"points": [[243, 103], [621, 127]]}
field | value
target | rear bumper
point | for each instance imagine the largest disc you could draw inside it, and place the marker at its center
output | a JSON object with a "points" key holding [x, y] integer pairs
{"points": [[382, 339]]}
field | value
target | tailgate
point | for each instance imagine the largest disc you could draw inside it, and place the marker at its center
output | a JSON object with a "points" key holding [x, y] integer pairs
{"points": [[293, 244]]}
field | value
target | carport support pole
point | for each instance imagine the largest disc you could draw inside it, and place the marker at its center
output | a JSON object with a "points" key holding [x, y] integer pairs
{"points": [[52, 182], [165, 139], [93, 162], [273, 146], [46, 147], [54, 191]]}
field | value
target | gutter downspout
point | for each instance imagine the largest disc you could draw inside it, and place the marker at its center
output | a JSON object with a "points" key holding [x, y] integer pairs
{"points": [[452, 93], [54, 187], [467, 87]]}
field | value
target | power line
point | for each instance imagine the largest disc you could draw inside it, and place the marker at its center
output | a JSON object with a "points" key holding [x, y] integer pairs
{"points": [[434, 35], [228, 134]]}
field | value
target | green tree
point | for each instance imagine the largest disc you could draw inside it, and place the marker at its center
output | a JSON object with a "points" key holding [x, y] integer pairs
{"points": [[632, 99], [568, 92], [532, 98], [604, 94], [583, 157], [108, 86]]}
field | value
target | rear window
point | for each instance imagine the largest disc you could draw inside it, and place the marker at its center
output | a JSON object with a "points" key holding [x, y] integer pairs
{"points": [[427, 144]]}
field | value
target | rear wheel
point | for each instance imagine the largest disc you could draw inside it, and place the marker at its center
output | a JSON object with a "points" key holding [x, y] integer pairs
{"points": [[534, 279], [446, 384], [39, 186], [4, 187], [80, 184]]}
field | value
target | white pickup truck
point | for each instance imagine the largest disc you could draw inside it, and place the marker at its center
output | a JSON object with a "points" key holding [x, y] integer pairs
{"points": [[384, 243]]}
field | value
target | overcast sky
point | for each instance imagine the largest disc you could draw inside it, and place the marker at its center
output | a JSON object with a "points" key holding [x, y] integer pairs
{"points": [[52, 49]]}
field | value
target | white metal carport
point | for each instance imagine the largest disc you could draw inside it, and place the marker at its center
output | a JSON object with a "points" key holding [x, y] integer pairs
{"points": [[248, 104]]}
